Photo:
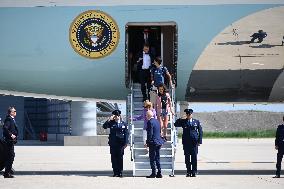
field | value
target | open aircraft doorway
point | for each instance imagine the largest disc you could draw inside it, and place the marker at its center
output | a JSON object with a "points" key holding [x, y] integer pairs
{"points": [[163, 40]]}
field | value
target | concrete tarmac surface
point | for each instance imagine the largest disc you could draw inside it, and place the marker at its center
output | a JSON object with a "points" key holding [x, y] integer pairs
{"points": [[222, 163]]}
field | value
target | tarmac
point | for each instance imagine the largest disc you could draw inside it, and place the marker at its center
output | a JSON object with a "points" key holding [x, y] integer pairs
{"points": [[222, 163]]}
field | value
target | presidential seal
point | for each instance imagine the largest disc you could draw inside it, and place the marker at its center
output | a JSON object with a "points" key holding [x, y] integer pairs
{"points": [[94, 34]]}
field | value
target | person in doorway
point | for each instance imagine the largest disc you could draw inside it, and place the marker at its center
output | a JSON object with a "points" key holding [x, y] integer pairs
{"points": [[159, 72], [154, 142], [10, 133], [191, 139], [118, 140], [164, 108], [279, 145], [147, 107], [144, 64]]}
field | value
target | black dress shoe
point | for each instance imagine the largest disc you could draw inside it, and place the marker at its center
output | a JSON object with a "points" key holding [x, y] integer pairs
{"points": [[276, 176], [8, 176], [151, 176], [193, 175], [120, 175], [159, 175], [187, 174]]}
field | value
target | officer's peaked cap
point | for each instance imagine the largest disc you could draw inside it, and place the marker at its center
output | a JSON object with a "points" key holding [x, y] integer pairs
{"points": [[188, 111], [116, 112]]}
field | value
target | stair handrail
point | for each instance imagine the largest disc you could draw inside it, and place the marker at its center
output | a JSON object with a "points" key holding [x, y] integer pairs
{"points": [[173, 129], [173, 118], [131, 122]]}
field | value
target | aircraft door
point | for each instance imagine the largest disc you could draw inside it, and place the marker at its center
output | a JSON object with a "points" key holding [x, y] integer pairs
{"points": [[162, 38], [169, 49]]}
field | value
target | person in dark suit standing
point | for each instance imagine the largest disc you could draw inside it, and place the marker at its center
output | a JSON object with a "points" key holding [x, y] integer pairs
{"points": [[144, 64], [118, 140], [154, 142], [279, 145], [10, 133], [191, 139]]}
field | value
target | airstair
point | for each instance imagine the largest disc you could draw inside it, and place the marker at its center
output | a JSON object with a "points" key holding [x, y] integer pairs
{"points": [[139, 155]]}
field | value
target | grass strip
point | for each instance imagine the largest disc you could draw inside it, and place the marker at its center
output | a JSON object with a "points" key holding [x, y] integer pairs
{"points": [[269, 133]]}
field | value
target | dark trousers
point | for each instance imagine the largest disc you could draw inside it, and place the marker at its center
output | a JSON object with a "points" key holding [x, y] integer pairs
{"points": [[279, 160], [145, 78], [10, 158], [154, 155], [117, 153], [190, 154]]}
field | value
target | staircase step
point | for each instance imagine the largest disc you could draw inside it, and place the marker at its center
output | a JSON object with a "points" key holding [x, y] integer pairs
{"points": [[139, 131], [146, 165], [144, 152], [139, 138], [147, 172], [137, 95], [167, 144], [145, 158], [138, 104]]}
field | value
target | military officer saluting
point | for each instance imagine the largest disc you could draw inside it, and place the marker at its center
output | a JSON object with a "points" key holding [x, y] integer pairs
{"points": [[118, 139], [191, 139], [279, 145]]}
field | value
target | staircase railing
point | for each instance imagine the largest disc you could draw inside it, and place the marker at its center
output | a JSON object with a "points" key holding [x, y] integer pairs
{"points": [[173, 129], [130, 118]]}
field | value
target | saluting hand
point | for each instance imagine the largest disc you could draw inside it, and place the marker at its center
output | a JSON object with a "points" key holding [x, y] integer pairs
{"points": [[13, 136], [111, 117]]}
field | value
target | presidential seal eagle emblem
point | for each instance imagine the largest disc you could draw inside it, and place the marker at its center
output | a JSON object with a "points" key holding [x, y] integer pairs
{"points": [[94, 34]]}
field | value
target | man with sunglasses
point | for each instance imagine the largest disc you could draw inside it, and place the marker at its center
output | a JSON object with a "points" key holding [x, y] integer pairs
{"points": [[10, 133]]}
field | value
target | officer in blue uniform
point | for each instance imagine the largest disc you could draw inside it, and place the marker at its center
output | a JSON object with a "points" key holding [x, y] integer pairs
{"points": [[154, 142], [191, 139], [118, 139], [279, 145]]}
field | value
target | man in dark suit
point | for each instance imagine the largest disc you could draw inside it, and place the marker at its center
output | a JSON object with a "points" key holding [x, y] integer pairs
{"points": [[279, 145], [10, 133], [154, 142], [191, 139], [144, 64], [118, 139]]}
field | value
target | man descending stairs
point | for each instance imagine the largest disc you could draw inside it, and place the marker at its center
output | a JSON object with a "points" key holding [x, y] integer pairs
{"points": [[140, 155]]}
